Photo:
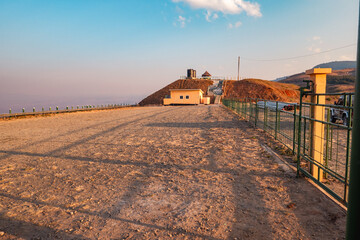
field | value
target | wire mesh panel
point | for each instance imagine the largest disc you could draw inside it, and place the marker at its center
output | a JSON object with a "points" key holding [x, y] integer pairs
{"points": [[293, 126], [325, 143], [286, 131], [276, 118]]}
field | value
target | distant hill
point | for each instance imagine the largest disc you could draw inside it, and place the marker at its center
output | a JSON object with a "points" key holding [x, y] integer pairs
{"points": [[347, 66], [251, 88], [337, 65], [338, 81]]}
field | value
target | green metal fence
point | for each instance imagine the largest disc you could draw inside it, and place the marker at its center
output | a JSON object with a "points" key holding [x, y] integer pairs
{"points": [[336, 138], [277, 118], [290, 123]]}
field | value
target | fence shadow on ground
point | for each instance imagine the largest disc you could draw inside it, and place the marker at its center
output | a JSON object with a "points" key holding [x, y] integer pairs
{"points": [[245, 199]]}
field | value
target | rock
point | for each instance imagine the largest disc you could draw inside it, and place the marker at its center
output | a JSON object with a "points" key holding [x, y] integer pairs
{"points": [[291, 205]]}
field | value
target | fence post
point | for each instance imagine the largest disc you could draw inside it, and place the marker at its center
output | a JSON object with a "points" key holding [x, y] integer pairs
{"points": [[299, 133], [327, 136], [317, 113], [294, 130], [353, 213], [256, 112], [265, 115], [348, 154], [241, 107], [245, 114], [276, 119], [250, 110]]}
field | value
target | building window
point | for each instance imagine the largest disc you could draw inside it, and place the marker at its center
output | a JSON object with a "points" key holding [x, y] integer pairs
{"points": [[187, 97], [181, 97]]}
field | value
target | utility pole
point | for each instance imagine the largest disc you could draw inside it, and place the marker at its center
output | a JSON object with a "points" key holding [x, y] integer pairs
{"points": [[238, 78], [353, 214]]}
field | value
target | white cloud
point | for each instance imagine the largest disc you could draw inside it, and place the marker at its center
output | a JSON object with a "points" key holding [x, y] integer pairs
{"points": [[207, 16], [211, 17], [316, 43], [226, 6], [238, 24], [235, 25], [182, 21], [314, 49]]}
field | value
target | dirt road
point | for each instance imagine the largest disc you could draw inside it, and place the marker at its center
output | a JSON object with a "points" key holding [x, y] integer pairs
{"points": [[193, 172]]}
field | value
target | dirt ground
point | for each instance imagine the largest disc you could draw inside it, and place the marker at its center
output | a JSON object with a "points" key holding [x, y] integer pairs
{"points": [[187, 172]]}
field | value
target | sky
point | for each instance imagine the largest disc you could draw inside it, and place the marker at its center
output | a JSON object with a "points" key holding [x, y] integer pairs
{"points": [[113, 51]]}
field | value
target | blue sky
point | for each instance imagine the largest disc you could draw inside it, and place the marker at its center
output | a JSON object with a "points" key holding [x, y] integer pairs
{"points": [[114, 50]]}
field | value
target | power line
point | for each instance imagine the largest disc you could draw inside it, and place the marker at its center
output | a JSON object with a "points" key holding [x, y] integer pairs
{"points": [[301, 56]]}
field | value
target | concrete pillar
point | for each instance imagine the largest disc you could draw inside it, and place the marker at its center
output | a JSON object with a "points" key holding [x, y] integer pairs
{"points": [[318, 77]]}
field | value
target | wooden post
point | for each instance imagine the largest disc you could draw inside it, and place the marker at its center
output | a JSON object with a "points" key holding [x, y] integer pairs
{"points": [[318, 77]]}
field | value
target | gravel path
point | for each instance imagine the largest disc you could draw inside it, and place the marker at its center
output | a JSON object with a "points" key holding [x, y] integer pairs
{"points": [[187, 172]]}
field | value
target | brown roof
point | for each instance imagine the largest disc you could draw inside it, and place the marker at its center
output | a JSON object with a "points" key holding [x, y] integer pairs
{"points": [[206, 74]]}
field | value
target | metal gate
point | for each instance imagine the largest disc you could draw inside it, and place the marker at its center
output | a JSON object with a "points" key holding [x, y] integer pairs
{"points": [[292, 124], [324, 154]]}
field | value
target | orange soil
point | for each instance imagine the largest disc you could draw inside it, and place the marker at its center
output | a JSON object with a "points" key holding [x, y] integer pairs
{"points": [[255, 88]]}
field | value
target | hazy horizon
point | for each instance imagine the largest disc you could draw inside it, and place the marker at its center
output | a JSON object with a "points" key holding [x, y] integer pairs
{"points": [[40, 102]]}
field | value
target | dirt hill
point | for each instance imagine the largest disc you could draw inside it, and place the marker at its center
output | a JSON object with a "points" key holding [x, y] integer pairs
{"points": [[338, 81], [253, 88], [256, 88], [157, 97]]}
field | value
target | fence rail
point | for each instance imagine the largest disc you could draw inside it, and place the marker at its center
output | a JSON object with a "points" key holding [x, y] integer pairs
{"points": [[66, 110], [291, 124]]}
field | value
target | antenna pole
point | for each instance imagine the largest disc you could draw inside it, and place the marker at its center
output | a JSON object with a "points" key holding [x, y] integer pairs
{"points": [[238, 78]]}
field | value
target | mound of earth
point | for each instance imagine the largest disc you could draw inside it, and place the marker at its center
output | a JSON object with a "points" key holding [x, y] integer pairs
{"points": [[256, 88], [251, 88], [338, 81], [157, 97]]}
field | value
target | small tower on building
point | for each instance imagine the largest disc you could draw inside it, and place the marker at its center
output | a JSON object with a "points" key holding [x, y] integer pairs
{"points": [[191, 74], [206, 75]]}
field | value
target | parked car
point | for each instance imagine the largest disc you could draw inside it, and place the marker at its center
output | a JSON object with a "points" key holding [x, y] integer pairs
{"points": [[341, 113], [272, 106]]}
